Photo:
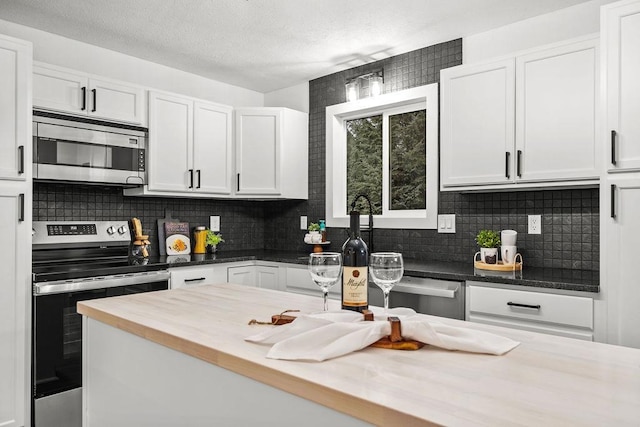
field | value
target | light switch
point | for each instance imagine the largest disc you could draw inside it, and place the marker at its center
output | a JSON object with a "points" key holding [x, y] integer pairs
{"points": [[447, 223], [303, 222]]}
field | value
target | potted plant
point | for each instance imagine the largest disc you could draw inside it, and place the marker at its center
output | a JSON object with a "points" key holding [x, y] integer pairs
{"points": [[313, 227], [212, 241], [489, 241]]}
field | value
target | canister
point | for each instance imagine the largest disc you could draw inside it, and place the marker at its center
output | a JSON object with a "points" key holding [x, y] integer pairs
{"points": [[200, 234]]}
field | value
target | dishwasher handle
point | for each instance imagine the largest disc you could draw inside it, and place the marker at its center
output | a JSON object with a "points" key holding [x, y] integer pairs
{"points": [[428, 287]]}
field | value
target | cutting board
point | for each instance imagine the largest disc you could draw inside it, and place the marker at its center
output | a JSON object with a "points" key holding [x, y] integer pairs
{"points": [[161, 235]]}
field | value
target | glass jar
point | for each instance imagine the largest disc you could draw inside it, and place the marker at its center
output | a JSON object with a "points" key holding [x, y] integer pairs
{"points": [[200, 234], [140, 249]]}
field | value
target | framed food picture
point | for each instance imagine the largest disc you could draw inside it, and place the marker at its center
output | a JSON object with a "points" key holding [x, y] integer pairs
{"points": [[177, 241]]}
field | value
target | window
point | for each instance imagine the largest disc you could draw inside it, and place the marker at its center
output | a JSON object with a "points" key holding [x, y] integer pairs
{"points": [[386, 148]]}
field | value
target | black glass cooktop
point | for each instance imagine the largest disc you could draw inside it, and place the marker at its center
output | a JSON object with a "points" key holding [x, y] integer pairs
{"points": [[55, 265]]}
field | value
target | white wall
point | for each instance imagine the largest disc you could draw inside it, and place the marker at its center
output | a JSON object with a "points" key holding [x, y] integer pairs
{"points": [[57, 50], [574, 21], [295, 97]]}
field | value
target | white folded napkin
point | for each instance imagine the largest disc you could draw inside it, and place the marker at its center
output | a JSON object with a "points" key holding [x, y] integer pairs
{"points": [[326, 335]]}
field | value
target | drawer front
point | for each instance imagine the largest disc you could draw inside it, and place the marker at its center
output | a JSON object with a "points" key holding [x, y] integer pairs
{"points": [[533, 306], [186, 277]]}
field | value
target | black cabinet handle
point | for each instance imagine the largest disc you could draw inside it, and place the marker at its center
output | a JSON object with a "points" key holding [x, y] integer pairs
{"points": [[190, 178], [20, 159], [515, 304], [84, 98], [238, 182], [198, 178], [519, 162], [613, 147], [95, 99], [613, 201], [194, 280], [506, 164], [21, 207]]}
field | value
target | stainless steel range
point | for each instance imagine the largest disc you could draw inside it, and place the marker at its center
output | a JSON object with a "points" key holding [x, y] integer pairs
{"points": [[76, 261]]}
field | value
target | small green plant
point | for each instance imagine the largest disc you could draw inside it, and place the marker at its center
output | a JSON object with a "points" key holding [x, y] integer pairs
{"points": [[313, 226], [213, 239], [488, 239]]}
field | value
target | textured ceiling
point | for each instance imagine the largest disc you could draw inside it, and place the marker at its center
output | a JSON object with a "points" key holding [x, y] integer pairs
{"points": [[266, 45]]}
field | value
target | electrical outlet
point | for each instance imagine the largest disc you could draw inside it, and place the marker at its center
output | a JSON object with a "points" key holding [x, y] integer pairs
{"points": [[535, 224], [303, 222], [214, 223]]}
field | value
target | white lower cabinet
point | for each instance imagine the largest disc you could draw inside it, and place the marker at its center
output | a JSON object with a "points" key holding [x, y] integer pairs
{"points": [[555, 314], [260, 276], [248, 273], [267, 277], [298, 280], [183, 277], [620, 200], [242, 275]]}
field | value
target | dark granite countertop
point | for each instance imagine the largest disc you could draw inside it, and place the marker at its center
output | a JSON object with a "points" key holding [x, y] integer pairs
{"points": [[550, 278]]}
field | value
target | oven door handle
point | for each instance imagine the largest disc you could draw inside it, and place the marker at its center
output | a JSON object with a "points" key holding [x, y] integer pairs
{"points": [[65, 286]]}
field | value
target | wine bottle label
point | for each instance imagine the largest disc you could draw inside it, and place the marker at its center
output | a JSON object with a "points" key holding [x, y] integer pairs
{"points": [[354, 286]]}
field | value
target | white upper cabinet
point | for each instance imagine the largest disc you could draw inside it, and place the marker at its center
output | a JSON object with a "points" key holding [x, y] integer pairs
{"points": [[522, 121], [212, 147], [15, 61], [556, 113], [271, 149], [477, 124], [73, 92], [190, 145], [170, 142], [621, 44]]}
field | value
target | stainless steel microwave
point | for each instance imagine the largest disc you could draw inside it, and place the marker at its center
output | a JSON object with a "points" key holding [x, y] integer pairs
{"points": [[66, 150]]}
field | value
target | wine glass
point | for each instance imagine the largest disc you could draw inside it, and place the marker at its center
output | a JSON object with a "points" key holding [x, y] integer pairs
{"points": [[325, 269], [386, 270]]}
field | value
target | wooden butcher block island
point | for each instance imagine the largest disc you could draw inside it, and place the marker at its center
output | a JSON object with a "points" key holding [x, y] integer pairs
{"points": [[179, 357]]}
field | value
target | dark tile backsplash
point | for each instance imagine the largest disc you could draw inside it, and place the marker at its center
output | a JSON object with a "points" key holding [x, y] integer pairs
{"points": [[570, 227], [241, 222]]}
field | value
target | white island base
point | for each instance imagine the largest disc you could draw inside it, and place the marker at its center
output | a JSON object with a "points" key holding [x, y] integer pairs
{"points": [[130, 381], [179, 358]]}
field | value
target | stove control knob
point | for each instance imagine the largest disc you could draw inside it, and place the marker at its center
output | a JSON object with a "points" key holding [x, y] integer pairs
{"points": [[111, 230], [122, 229]]}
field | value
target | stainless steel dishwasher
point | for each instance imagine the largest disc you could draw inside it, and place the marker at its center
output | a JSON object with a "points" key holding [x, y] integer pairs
{"points": [[436, 297]]}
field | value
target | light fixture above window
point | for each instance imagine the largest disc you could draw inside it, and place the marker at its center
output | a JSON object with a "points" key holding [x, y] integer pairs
{"points": [[364, 86]]}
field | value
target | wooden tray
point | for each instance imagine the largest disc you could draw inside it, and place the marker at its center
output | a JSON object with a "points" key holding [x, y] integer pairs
{"points": [[500, 266]]}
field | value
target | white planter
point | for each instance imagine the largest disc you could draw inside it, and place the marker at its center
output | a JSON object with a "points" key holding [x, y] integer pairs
{"points": [[489, 255]]}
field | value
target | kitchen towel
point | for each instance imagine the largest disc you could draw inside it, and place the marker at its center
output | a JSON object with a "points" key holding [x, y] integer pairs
{"points": [[327, 335]]}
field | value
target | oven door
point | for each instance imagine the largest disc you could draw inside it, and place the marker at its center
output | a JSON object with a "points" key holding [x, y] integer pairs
{"points": [[57, 345]]}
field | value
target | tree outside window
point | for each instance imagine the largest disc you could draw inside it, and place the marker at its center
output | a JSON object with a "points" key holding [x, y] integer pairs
{"points": [[406, 165]]}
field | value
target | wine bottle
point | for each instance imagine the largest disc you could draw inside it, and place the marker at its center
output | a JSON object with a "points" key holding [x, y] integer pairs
{"points": [[355, 261]]}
